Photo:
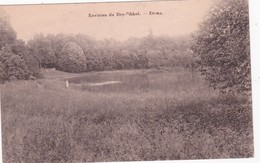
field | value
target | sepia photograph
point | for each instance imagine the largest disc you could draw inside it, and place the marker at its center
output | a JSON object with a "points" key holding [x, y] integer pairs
{"points": [[126, 81]]}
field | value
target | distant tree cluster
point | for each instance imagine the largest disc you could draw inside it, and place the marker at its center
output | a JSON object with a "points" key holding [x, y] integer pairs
{"points": [[222, 46], [81, 53], [17, 61]]}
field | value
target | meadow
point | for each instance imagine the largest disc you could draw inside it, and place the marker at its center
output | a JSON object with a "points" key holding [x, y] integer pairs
{"points": [[151, 115]]}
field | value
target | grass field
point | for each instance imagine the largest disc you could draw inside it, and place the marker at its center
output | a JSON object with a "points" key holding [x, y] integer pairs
{"points": [[175, 117]]}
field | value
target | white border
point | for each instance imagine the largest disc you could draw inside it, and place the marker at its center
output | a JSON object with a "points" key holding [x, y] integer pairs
{"points": [[15, 2], [254, 6]]}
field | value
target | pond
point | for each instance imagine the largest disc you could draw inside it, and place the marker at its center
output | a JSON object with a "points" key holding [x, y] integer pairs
{"points": [[136, 81]]}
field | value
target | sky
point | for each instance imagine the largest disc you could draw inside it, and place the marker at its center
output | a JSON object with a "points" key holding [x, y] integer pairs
{"points": [[177, 18]]}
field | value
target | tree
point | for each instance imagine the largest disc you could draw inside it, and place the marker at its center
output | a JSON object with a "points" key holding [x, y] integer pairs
{"points": [[91, 52], [13, 54], [222, 46], [44, 51], [7, 34], [27, 54], [72, 58]]}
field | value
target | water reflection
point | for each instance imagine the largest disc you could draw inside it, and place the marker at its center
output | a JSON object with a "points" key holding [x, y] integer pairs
{"points": [[162, 81], [112, 82]]}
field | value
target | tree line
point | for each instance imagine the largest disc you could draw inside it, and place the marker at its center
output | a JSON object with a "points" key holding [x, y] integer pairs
{"points": [[81, 53]]}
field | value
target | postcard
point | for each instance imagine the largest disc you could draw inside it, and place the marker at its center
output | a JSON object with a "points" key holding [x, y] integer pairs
{"points": [[126, 81]]}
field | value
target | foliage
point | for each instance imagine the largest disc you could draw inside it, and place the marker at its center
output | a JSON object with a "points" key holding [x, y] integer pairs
{"points": [[222, 46], [72, 58]]}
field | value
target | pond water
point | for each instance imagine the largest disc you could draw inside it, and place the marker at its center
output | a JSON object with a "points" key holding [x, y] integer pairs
{"points": [[136, 81]]}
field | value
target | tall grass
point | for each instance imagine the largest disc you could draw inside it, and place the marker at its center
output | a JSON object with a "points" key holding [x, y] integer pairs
{"points": [[42, 121]]}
